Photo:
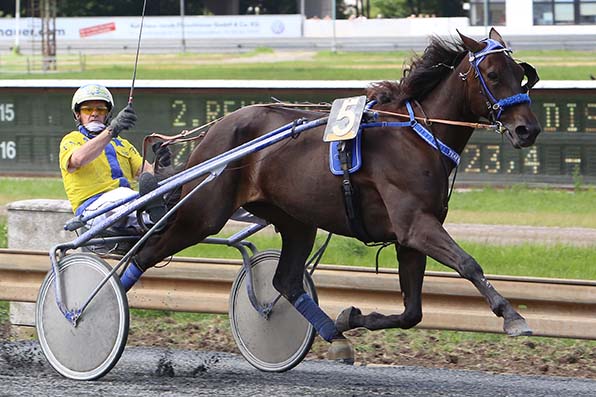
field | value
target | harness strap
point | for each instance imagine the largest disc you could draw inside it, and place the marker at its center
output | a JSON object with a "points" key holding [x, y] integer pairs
{"points": [[350, 195], [492, 47], [422, 132]]}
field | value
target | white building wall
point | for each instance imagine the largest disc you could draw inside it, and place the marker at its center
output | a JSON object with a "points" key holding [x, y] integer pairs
{"points": [[519, 14], [384, 27]]}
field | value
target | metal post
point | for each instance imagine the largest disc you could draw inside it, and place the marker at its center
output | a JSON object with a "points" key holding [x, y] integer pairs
{"points": [[303, 18], [182, 25], [17, 22], [485, 18], [333, 46]]}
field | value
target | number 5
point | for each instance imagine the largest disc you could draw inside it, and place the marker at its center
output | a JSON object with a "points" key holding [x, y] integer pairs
{"points": [[345, 113]]}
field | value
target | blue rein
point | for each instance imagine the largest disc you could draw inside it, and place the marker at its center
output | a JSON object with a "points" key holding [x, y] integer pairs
{"points": [[495, 105]]}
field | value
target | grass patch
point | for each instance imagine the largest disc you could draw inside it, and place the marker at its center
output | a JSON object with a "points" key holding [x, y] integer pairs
{"points": [[260, 50], [266, 63], [3, 233], [522, 218], [519, 205], [520, 199], [557, 261], [178, 316], [14, 189], [4, 312]]}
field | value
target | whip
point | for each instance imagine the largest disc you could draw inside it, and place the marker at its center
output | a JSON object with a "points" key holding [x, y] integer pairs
{"points": [[134, 72]]}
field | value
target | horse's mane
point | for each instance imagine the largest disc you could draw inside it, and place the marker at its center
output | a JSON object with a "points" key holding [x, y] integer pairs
{"points": [[423, 73]]}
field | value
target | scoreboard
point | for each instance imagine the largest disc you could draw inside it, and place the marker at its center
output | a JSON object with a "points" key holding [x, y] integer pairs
{"points": [[35, 114]]}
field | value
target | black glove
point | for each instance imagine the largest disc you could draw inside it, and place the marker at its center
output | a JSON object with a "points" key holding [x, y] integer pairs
{"points": [[123, 121], [163, 154]]}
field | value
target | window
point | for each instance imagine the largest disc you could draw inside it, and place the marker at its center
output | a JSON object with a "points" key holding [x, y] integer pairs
{"points": [[564, 12], [543, 14], [587, 12], [496, 13]]}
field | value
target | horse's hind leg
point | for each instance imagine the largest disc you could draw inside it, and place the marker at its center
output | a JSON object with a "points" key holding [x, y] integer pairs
{"points": [[297, 242], [412, 264], [192, 223]]}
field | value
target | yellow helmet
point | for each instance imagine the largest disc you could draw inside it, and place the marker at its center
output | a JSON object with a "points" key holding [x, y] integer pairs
{"points": [[91, 92]]}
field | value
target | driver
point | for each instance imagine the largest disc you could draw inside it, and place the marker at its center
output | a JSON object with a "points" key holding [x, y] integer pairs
{"points": [[96, 163]]}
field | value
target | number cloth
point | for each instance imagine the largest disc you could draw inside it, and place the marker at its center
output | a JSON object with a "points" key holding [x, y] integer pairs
{"points": [[355, 156], [115, 167]]}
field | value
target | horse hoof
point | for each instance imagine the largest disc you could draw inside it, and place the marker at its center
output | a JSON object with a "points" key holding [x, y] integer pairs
{"points": [[342, 322], [517, 327], [341, 351]]}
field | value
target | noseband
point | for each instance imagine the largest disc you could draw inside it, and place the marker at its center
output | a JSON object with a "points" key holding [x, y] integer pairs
{"points": [[497, 106]]}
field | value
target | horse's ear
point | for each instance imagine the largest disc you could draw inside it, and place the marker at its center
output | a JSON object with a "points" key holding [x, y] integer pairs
{"points": [[496, 36], [531, 74], [470, 44]]}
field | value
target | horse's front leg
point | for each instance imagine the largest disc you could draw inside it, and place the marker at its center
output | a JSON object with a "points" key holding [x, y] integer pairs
{"points": [[427, 235], [412, 264]]}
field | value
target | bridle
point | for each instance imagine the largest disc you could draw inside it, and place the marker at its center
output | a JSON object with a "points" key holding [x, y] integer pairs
{"points": [[496, 106]]}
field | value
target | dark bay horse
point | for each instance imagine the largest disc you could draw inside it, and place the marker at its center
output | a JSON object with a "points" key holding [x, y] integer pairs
{"points": [[403, 183]]}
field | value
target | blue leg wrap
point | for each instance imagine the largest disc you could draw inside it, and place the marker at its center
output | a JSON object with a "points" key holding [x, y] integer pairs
{"points": [[313, 313], [131, 276]]}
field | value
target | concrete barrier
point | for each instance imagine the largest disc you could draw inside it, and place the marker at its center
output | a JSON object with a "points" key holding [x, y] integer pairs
{"points": [[38, 224]]}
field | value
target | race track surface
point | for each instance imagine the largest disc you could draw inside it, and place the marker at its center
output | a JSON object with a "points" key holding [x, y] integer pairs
{"points": [[162, 372]]}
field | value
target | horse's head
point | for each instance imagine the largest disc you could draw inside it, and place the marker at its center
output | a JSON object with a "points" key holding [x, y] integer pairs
{"points": [[497, 92]]}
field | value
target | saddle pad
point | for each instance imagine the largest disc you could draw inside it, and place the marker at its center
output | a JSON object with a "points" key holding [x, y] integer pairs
{"points": [[355, 157]]}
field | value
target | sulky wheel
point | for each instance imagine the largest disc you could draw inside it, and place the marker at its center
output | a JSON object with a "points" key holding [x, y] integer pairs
{"points": [[281, 341], [90, 349]]}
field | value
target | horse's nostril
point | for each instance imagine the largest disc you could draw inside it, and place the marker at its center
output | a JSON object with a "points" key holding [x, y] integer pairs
{"points": [[526, 134], [527, 130], [521, 130]]}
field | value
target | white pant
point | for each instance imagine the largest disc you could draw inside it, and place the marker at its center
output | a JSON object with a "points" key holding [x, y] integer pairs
{"points": [[109, 198]]}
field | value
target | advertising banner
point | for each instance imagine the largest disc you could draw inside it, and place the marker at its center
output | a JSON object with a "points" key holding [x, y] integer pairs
{"points": [[195, 27]]}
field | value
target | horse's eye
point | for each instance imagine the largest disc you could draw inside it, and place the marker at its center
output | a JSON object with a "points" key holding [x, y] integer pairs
{"points": [[492, 75]]}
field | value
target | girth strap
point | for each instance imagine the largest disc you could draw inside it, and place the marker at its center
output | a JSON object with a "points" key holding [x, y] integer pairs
{"points": [[350, 195]]}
